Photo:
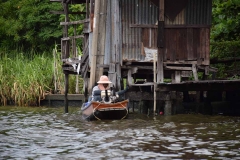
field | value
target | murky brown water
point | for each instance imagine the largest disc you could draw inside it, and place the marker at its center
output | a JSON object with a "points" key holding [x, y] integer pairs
{"points": [[47, 133]]}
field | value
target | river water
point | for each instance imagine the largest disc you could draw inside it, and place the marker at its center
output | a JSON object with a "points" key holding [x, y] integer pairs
{"points": [[48, 133]]}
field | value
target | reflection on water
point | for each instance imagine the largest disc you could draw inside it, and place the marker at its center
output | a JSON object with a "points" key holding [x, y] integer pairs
{"points": [[44, 133]]}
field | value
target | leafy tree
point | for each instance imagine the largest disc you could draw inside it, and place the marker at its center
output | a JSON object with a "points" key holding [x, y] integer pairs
{"points": [[225, 37], [28, 24], [226, 20]]}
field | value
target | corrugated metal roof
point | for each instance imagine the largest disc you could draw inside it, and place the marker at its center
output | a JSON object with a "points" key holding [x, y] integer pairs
{"points": [[199, 12]]}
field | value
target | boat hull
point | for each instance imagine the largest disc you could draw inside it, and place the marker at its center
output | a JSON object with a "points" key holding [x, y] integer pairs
{"points": [[100, 111]]}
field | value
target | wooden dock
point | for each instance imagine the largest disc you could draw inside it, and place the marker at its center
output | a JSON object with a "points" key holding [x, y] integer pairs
{"points": [[205, 85], [57, 100], [201, 95]]}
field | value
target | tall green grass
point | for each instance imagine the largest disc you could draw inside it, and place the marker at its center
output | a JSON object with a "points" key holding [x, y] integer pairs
{"points": [[25, 79]]}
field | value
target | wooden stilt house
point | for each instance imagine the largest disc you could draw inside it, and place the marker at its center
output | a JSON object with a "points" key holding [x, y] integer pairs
{"points": [[121, 37]]}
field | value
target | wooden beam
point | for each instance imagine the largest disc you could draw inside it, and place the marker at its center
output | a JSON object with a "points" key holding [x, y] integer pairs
{"points": [[72, 37], [179, 68], [55, 0], [74, 22], [167, 26]]}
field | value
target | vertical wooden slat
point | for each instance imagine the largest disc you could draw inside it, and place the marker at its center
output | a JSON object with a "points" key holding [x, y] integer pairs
{"points": [[207, 60], [189, 44], [202, 46], [173, 44], [115, 62], [117, 44], [167, 47], [112, 64], [196, 44], [101, 39], [94, 45], [178, 37], [182, 44], [87, 9], [160, 74], [91, 14]]}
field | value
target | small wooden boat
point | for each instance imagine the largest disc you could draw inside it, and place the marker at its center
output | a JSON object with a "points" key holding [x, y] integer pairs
{"points": [[100, 111]]}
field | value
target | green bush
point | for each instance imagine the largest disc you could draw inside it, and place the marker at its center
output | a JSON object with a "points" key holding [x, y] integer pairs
{"points": [[226, 50]]}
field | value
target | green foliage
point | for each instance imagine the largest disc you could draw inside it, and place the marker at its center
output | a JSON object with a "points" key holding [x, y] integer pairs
{"points": [[225, 20], [29, 25], [226, 50], [225, 37]]}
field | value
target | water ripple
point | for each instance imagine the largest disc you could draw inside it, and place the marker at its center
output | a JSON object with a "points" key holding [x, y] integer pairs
{"points": [[53, 135]]}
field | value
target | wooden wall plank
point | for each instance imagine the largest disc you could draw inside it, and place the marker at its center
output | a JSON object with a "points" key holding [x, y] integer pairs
{"points": [[167, 43], [189, 43], [207, 60], [173, 44], [196, 44], [202, 43], [183, 44]]}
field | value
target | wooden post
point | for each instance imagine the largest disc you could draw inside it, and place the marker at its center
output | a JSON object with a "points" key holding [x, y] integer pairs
{"points": [[87, 9], [66, 55], [94, 44], [91, 14], [54, 70], [101, 38], [160, 75], [115, 44], [66, 92], [155, 83], [168, 104]]}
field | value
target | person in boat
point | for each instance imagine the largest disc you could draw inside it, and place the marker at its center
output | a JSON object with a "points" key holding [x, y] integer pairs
{"points": [[103, 84]]}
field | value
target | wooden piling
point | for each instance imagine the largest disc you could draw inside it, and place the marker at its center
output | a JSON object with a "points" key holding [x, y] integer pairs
{"points": [[66, 92], [168, 104], [154, 76], [160, 75]]}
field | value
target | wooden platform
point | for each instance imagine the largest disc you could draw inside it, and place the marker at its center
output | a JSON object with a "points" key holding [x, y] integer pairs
{"points": [[57, 100], [206, 85]]}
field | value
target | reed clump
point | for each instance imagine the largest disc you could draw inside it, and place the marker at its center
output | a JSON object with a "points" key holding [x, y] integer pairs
{"points": [[25, 79]]}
